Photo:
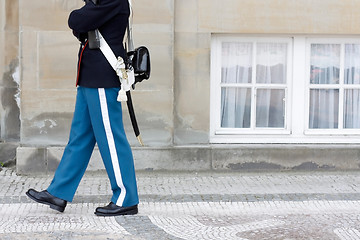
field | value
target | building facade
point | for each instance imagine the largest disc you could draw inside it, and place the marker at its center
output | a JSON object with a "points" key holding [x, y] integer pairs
{"points": [[266, 84]]}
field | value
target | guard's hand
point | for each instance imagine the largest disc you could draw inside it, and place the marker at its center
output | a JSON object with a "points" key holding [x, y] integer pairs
{"points": [[82, 37]]}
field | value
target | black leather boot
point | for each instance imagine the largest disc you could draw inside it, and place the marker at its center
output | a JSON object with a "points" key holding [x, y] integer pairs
{"points": [[114, 210], [45, 197]]}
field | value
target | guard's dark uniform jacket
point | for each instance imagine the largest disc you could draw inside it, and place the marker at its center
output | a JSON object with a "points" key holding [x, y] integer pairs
{"points": [[111, 18]]}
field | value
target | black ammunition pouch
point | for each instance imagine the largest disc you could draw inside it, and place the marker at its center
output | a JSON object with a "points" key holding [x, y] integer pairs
{"points": [[139, 60]]}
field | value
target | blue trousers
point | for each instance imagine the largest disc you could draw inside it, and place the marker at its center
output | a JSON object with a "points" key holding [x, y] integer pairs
{"points": [[97, 119]]}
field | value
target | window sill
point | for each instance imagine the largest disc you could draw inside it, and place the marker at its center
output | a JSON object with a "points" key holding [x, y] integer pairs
{"points": [[332, 132], [232, 131]]}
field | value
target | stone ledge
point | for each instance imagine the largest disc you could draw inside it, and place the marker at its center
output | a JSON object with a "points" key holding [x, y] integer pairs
{"points": [[31, 160], [8, 152]]}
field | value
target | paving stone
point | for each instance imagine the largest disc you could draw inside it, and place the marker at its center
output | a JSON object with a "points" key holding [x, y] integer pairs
{"points": [[290, 205]]}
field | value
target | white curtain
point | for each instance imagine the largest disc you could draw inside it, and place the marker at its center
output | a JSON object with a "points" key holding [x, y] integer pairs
{"points": [[270, 108], [271, 68], [271, 59], [325, 64], [324, 108], [236, 107], [325, 69], [352, 109], [236, 101], [271, 63], [352, 96]]}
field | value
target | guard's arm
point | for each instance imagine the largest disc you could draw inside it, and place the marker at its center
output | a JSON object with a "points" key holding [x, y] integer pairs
{"points": [[91, 16]]}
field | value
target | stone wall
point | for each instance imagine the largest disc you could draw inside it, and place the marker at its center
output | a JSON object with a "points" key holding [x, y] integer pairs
{"points": [[192, 75], [9, 72], [48, 65], [153, 26], [173, 106], [49, 55], [9, 81], [2, 63], [197, 20], [278, 16]]}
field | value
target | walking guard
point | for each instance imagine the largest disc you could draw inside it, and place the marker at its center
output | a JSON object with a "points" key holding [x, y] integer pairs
{"points": [[97, 116]]}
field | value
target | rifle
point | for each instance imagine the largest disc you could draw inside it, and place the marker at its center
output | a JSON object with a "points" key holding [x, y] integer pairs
{"points": [[93, 36]]}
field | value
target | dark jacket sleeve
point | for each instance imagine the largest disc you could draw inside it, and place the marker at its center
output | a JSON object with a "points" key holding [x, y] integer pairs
{"points": [[91, 16]]}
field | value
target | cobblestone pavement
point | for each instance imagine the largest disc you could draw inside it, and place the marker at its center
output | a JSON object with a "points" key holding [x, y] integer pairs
{"points": [[282, 205]]}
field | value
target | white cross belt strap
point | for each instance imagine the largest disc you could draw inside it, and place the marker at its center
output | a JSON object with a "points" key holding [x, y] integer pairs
{"points": [[126, 77]]}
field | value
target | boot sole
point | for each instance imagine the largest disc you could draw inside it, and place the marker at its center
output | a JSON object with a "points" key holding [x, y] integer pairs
{"points": [[129, 212], [52, 206]]}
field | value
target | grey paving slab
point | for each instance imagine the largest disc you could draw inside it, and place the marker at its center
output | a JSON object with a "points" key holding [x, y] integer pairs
{"points": [[279, 205]]}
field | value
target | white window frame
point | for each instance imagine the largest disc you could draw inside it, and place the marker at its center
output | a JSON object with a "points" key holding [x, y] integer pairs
{"points": [[298, 89], [341, 86]]}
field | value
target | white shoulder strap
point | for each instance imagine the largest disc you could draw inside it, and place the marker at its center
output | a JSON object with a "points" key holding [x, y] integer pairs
{"points": [[126, 78]]}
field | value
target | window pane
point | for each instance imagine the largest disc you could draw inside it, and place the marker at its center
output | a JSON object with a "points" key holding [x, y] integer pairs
{"points": [[352, 108], [271, 62], [324, 108], [270, 108], [352, 64], [236, 62], [235, 107], [325, 64]]}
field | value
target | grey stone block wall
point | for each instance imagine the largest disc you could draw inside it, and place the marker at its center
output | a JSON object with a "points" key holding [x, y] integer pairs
{"points": [[8, 153], [173, 107], [9, 72], [9, 102], [286, 157], [210, 158]]}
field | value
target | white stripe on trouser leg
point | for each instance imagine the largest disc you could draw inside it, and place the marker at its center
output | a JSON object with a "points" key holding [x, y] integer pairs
{"points": [[112, 148]]}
